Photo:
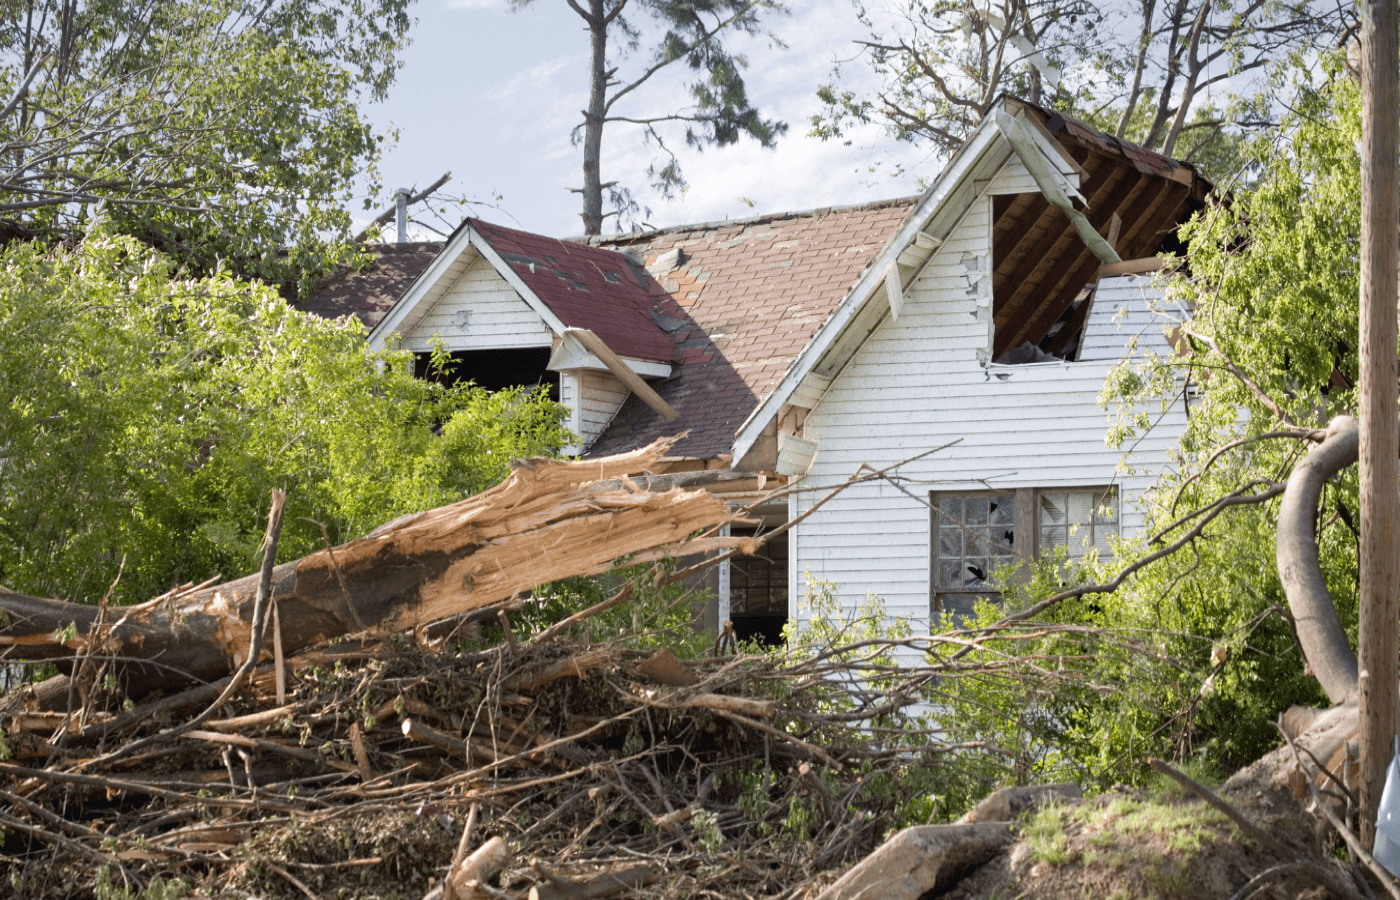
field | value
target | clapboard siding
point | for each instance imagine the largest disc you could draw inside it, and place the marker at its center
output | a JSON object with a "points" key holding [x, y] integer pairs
{"points": [[1013, 178], [1126, 309], [919, 383], [480, 311], [601, 395]]}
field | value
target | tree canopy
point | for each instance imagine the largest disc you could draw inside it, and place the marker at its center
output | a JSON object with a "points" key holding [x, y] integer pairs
{"points": [[1184, 77], [146, 415], [223, 132], [688, 33]]}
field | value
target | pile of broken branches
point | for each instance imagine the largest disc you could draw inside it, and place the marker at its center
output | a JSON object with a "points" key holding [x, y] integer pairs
{"points": [[571, 769], [374, 751]]}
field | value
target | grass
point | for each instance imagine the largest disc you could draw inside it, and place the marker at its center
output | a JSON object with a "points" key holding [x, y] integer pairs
{"points": [[1182, 827]]}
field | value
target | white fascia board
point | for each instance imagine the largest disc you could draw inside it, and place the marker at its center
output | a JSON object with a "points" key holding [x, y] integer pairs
{"points": [[505, 271], [873, 278], [425, 287], [570, 354], [1052, 183]]}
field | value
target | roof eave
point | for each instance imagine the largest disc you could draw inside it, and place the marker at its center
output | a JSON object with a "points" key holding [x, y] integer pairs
{"points": [[869, 283]]}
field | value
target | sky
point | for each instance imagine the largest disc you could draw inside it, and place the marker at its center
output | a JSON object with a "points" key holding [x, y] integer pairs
{"points": [[491, 95]]}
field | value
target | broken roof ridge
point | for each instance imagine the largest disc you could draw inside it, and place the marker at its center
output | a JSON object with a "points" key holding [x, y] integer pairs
{"points": [[596, 240]]}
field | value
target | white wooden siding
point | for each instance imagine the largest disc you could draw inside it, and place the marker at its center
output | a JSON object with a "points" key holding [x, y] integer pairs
{"points": [[480, 311], [1013, 178], [1125, 309], [917, 384], [600, 396]]}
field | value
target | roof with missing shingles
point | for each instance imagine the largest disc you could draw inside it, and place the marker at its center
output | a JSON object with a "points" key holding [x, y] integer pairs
{"points": [[371, 292], [586, 287], [740, 299]]}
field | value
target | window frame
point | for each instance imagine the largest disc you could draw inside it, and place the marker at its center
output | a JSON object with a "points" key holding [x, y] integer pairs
{"points": [[1026, 520]]}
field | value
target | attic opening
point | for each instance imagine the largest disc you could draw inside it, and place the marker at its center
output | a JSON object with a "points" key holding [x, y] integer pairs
{"points": [[494, 369], [1044, 275]]}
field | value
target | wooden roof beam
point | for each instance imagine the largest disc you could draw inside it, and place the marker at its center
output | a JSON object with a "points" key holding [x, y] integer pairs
{"points": [[1078, 273]]}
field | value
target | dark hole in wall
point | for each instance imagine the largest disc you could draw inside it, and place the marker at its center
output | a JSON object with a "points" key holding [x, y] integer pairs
{"points": [[495, 369], [758, 591]]}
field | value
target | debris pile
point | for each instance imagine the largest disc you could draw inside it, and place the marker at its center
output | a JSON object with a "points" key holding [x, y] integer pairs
{"points": [[590, 771]]}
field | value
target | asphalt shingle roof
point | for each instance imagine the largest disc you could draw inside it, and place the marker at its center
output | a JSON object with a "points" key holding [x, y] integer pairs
{"points": [[740, 300], [370, 294], [586, 287]]}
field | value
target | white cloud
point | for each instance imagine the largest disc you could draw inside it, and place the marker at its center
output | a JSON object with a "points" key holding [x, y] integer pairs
{"points": [[494, 98]]}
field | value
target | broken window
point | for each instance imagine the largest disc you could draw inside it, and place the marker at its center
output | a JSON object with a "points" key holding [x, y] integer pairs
{"points": [[758, 590], [975, 534]]}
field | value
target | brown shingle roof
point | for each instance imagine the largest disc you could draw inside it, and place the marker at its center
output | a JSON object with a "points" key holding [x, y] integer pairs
{"points": [[372, 292], [740, 301]]}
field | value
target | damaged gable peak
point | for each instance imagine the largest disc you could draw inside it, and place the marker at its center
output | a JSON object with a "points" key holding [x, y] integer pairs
{"points": [[1012, 128], [539, 281]]}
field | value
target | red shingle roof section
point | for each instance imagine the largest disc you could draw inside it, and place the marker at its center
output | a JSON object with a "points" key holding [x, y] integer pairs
{"points": [[740, 300], [586, 287], [370, 293], [1148, 161]]}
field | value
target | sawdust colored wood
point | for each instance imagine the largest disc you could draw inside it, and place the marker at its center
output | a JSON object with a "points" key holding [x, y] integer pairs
{"points": [[548, 520]]}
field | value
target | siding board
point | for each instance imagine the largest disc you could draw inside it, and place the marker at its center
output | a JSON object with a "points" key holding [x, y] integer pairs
{"points": [[480, 311], [917, 384]]}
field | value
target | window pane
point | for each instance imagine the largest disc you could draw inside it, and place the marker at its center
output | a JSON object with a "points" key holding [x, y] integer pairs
{"points": [[1107, 508], [1079, 520], [1081, 507], [1103, 540], [974, 536]]}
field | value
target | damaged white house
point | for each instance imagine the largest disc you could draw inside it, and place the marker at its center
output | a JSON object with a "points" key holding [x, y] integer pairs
{"points": [[795, 348]]}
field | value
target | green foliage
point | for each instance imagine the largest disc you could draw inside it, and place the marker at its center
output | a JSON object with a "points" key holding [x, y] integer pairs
{"points": [[220, 131], [147, 416], [656, 615], [1274, 292]]}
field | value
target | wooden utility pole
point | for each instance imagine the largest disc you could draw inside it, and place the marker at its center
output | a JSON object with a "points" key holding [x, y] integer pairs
{"points": [[1380, 424]]}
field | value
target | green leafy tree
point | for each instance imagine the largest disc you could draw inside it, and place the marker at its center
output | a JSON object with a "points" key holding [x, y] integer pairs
{"points": [[693, 34], [224, 132], [146, 416], [1273, 341]]}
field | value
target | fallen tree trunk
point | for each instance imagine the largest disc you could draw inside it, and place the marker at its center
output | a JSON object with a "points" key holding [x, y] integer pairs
{"points": [[548, 520]]}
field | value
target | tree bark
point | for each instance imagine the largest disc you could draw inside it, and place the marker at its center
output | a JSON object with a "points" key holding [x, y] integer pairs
{"points": [[593, 118], [1320, 631], [548, 520], [1379, 632]]}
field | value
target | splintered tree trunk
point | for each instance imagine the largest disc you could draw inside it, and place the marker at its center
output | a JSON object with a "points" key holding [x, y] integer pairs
{"points": [[1379, 635], [548, 520]]}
